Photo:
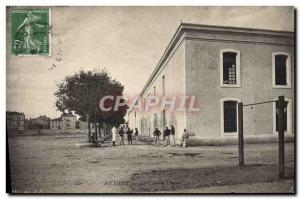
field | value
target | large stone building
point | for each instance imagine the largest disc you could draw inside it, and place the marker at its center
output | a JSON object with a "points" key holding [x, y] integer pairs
{"points": [[222, 66], [15, 120], [66, 121]]}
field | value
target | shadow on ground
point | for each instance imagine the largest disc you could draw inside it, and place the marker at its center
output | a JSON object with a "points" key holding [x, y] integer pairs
{"points": [[179, 179]]}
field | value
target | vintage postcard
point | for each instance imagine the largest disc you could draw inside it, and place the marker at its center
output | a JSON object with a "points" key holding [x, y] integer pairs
{"points": [[150, 100]]}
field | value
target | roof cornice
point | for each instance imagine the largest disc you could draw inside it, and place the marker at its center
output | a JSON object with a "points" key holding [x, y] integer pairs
{"points": [[185, 27], [236, 30]]}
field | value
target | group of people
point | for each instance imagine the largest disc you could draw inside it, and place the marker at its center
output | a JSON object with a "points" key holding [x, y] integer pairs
{"points": [[169, 133], [122, 133]]}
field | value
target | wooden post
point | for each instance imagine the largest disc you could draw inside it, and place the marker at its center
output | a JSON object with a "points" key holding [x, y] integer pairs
{"points": [[240, 134], [280, 109]]}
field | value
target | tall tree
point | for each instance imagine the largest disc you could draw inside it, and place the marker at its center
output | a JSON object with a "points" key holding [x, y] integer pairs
{"points": [[82, 92]]}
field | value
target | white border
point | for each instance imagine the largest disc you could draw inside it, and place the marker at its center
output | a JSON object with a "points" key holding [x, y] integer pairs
{"points": [[110, 3]]}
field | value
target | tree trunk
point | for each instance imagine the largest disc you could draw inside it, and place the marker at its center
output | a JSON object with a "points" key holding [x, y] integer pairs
{"points": [[96, 130], [89, 127], [99, 128], [105, 129], [108, 129]]}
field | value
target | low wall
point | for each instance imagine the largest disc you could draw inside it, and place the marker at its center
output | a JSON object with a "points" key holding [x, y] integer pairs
{"points": [[71, 131], [48, 131], [232, 140]]}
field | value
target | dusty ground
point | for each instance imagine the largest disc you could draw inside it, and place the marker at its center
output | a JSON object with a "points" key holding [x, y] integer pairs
{"points": [[65, 164]]}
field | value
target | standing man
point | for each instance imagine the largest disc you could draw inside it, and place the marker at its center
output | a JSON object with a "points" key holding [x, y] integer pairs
{"points": [[167, 136], [156, 134], [114, 135], [184, 138], [121, 133], [129, 136], [136, 135], [173, 134]]}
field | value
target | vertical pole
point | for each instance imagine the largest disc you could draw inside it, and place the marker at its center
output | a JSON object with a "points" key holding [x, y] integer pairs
{"points": [[281, 135], [164, 123], [240, 134]]}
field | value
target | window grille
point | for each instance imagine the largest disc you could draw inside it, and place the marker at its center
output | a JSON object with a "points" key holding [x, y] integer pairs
{"points": [[229, 68]]}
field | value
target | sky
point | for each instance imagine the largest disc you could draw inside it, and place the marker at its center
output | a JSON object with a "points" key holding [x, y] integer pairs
{"points": [[126, 41]]}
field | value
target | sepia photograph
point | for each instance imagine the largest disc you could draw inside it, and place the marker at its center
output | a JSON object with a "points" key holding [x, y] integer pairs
{"points": [[150, 100]]}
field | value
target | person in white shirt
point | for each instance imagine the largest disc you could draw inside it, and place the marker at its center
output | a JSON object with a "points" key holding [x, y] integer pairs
{"points": [[114, 135], [184, 138]]}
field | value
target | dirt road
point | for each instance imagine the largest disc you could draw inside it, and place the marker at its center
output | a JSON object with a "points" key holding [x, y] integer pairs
{"points": [[65, 164]]}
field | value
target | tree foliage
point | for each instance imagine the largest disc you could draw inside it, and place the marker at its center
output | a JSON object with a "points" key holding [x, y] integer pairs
{"points": [[82, 92]]}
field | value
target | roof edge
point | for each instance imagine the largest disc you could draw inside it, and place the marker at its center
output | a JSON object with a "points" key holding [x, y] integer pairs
{"points": [[213, 28]]}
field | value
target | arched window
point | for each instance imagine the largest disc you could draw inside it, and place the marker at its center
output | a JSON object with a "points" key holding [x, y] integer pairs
{"points": [[230, 68], [281, 70]]}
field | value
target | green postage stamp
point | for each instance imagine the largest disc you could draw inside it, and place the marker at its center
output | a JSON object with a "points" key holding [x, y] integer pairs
{"points": [[30, 31]]}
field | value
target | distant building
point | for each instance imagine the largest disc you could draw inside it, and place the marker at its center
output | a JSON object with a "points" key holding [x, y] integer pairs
{"points": [[15, 120], [56, 123], [27, 123], [42, 122], [66, 121]]}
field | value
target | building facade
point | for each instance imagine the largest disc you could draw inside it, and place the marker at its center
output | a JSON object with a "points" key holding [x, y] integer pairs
{"points": [[56, 123], [222, 66], [42, 122], [15, 120], [66, 121]]}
